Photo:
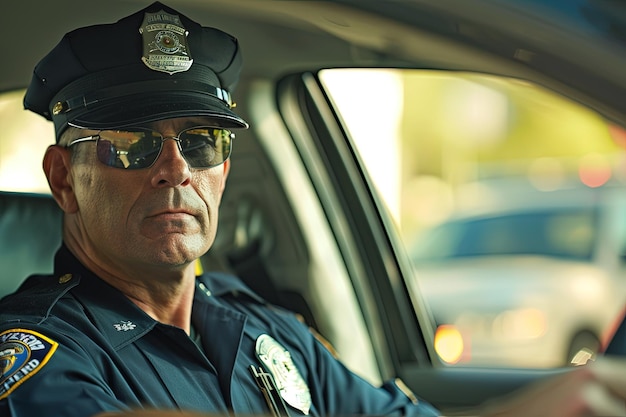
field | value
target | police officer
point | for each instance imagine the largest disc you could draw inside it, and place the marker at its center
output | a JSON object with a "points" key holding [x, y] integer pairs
{"points": [[143, 118]]}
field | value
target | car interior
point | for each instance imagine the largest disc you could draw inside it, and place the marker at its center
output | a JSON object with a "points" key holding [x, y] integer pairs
{"points": [[299, 222]]}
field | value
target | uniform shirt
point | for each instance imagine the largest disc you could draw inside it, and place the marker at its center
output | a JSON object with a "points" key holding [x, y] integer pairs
{"points": [[71, 345]]}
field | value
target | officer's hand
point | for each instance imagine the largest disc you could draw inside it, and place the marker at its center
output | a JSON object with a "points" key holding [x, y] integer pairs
{"points": [[596, 389]]}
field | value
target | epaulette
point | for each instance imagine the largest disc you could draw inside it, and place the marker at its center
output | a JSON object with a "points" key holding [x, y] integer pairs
{"points": [[33, 300]]}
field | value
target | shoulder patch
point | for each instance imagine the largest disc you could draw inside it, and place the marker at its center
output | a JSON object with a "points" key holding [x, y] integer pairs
{"points": [[22, 354]]}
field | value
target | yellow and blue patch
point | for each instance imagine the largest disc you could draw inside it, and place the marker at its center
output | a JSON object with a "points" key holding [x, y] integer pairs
{"points": [[22, 354]]}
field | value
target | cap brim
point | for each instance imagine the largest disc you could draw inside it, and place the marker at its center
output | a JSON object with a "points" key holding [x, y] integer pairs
{"points": [[145, 108]]}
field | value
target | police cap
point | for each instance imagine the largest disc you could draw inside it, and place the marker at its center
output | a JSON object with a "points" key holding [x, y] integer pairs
{"points": [[152, 65]]}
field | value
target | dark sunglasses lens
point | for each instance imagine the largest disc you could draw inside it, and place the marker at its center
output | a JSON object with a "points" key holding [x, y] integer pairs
{"points": [[205, 147], [202, 147], [128, 149]]}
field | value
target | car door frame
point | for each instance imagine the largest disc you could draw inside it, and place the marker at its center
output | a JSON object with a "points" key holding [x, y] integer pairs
{"points": [[398, 323]]}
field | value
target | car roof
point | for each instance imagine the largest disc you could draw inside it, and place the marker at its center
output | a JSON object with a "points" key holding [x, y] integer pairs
{"points": [[448, 34], [504, 197]]}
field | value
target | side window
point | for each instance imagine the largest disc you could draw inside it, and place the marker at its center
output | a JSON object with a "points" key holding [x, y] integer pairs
{"points": [[20, 162], [506, 198]]}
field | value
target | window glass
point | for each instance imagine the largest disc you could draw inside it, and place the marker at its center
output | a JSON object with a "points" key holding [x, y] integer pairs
{"points": [[509, 201], [558, 233], [25, 137]]}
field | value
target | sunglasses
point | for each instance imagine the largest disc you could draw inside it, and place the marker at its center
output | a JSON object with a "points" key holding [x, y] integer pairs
{"points": [[137, 148]]}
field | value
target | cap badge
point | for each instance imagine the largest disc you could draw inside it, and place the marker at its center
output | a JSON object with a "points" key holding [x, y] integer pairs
{"points": [[289, 382], [165, 46]]}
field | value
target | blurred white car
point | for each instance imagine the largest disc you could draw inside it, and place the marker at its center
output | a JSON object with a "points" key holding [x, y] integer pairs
{"points": [[566, 245]]}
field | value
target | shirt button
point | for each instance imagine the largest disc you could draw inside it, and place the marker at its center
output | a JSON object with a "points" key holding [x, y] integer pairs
{"points": [[65, 278]]}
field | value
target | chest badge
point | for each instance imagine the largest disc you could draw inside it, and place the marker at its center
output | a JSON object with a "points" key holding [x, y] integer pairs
{"points": [[289, 382], [165, 46]]}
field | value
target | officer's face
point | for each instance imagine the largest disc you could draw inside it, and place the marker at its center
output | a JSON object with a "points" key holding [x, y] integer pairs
{"points": [[162, 216]]}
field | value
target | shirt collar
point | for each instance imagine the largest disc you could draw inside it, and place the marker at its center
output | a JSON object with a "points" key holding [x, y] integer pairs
{"points": [[220, 284], [118, 318]]}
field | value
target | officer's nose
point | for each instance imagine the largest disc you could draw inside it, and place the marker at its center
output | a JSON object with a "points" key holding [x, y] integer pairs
{"points": [[171, 168]]}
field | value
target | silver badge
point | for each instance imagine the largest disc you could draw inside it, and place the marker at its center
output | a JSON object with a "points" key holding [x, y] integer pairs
{"points": [[290, 384], [165, 46]]}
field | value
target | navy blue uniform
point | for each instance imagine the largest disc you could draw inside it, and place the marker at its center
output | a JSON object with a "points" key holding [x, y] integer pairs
{"points": [[71, 345]]}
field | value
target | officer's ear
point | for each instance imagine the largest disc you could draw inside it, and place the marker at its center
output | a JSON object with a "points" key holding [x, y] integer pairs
{"points": [[56, 166], [226, 167]]}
